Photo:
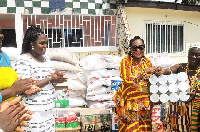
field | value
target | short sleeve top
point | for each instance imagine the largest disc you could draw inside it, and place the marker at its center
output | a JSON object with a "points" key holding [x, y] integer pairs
{"points": [[4, 60], [27, 67]]}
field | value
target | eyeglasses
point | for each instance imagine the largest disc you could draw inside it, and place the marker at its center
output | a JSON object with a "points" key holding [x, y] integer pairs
{"points": [[135, 47]]}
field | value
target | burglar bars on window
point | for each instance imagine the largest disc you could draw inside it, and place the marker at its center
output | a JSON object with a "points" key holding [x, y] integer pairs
{"points": [[75, 30], [164, 36]]}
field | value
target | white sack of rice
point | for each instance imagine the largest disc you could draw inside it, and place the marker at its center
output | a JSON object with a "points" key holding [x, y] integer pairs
{"points": [[67, 67], [154, 97], [153, 88], [62, 54]]}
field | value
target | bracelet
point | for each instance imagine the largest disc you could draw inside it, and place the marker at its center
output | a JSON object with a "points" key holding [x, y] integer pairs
{"points": [[170, 70], [162, 72], [49, 79], [0, 97]]}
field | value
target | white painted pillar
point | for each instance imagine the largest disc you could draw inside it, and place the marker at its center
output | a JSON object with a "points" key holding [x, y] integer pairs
{"points": [[19, 30]]}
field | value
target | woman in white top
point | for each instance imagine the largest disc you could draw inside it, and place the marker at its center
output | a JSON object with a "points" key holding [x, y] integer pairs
{"points": [[33, 63]]}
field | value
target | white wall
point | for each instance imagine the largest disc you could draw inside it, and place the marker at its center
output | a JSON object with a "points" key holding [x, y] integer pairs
{"points": [[136, 15]]}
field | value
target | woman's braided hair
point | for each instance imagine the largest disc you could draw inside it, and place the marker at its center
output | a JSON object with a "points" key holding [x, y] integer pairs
{"points": [[31, 35]]}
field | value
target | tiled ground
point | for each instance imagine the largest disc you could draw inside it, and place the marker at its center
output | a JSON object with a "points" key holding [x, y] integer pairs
{"points": [[47, 6]]}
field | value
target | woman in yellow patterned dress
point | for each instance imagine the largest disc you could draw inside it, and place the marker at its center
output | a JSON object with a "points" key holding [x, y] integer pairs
{"points": [[132, 99]]}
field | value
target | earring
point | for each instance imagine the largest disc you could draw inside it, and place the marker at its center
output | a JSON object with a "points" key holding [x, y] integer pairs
{"points": [[32, 48]]}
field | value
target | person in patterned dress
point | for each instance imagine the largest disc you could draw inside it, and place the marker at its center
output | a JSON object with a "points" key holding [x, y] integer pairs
{"points": [[133, 98], [184, 116], [33, 63]]}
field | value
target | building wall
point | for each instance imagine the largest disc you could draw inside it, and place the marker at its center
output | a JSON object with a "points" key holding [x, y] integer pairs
{"points": [[64, 6], [137, 15], [11, 17]]}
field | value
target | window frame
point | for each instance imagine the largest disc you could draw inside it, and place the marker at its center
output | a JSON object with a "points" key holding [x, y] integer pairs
{"points": [[9, 37], [168, 45], [62, 38]]}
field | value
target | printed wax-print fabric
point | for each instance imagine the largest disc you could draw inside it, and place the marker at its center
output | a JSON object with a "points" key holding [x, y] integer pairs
{"points": [[179, 115], [132, 99]]}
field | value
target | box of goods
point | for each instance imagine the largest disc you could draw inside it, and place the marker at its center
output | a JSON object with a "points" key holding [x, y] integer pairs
{"points": [[59, 123], [62, 100], [103, 122], [93, 119], [115, 126], [157, 124], [61, 103], [71, 120], [116, 83], [87, 123]]}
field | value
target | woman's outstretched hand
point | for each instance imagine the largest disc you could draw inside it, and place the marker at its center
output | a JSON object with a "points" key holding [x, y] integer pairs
{"points": [[159, 71], [58, 77]]}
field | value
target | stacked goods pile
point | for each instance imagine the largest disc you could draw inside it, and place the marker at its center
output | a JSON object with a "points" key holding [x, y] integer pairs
{"points": [[65, 61], [162, 60], [98, 119], [173, 88], [69, 121], [98, 71]]}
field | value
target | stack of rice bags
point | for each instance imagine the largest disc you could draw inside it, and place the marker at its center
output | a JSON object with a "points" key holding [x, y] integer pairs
{"points": [[98, 71], [162, 60], [65, 61]]}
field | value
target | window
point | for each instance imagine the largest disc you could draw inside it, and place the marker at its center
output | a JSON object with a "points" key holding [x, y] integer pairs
{"points": [[74, 31], [107, 35], [9, 38], [73, 38], [162, 36], [64, 38]]}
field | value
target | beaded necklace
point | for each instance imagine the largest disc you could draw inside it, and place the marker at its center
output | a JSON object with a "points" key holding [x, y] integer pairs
{"points": [[136, 64], [142, 69], [193, 84]]}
